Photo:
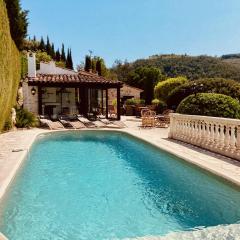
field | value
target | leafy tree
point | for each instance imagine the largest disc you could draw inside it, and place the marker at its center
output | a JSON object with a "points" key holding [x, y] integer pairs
{"points": [[210, 104], [18, 22], [88, 63], [207, 85], [145, 78], [163, 88], [181, 65], [42, 57]]}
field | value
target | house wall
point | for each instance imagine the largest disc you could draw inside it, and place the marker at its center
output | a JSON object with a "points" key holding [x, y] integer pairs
{"points": [[125, 91], [51, 68], [30, 102]]}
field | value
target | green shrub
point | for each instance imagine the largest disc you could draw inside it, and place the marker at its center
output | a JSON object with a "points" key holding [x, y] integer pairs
{"points": [[209, 85], [160, 105], [134, 101], [8, 124], [210, 104], [9, 67], [162, 89], [25, 119]]}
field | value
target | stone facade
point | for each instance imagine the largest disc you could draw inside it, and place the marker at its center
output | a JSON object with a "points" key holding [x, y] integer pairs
{"points": [[126, 92], [30, 102]]}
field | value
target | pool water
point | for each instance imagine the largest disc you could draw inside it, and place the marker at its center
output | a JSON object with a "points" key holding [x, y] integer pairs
{"points": [[98, 185]]}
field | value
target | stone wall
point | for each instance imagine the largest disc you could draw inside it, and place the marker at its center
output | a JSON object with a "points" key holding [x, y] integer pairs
{"points": [[30, 102]]}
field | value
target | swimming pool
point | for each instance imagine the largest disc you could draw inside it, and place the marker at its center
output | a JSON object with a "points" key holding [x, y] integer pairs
{"points": [[107, 185]]}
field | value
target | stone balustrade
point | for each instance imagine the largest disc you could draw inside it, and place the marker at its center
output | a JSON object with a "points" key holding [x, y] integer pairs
{"points": [[220, 135]]}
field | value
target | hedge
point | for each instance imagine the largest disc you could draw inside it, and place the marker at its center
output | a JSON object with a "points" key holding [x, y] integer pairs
{"points": [[9, 67], [209, 85], [163, 88], [210, 104]]}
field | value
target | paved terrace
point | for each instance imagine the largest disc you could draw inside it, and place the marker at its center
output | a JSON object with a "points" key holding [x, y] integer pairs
{"points": [[15, 145]]}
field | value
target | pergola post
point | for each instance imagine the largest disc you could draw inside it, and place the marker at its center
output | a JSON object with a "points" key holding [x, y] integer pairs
{"points": [[118, 104], [40, 100], [107, 103]]}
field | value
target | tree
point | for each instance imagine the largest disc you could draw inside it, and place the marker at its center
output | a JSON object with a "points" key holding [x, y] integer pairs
{"points": [[63, 55], [88, 63], [145, 78], [48, 47], [42, 44], [18, 22], [58, 56], [69, 62], [52, 53]]}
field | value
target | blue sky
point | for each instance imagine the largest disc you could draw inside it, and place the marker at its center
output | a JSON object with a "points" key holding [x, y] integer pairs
{"points": [[131, 29]]}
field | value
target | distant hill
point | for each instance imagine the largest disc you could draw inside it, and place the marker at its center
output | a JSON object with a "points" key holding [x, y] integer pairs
{"points": [[193, 67], [233, 59]]}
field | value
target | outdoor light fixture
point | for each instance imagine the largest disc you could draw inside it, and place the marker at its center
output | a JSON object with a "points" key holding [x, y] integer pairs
{"points": [[33, 91]]}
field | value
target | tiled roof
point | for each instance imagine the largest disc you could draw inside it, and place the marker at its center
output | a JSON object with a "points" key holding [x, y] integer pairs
{"points": [[81, 77]]}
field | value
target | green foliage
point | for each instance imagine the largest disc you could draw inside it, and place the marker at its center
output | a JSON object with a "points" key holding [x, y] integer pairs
{"points": [[42, 57], [209, 85], [145, 78], [8, 124], [63, 54], [162, 89], [134, 101], [69, 62], [25, 119], [18, 21], [160, 105], [88, 63], [181, 65], [10, 67], [210, 104]]}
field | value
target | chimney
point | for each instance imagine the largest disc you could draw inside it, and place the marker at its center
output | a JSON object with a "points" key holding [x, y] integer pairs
{"points": [[31, 64]]}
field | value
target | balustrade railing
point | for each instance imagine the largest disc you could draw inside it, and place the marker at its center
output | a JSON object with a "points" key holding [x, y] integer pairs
{"points": [[220, 135]]}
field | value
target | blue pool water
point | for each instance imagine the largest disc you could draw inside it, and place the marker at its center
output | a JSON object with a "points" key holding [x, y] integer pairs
{"points": [[106, 185]]}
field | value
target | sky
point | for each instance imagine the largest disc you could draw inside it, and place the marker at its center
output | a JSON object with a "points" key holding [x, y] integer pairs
{"points": [[132, 29]]}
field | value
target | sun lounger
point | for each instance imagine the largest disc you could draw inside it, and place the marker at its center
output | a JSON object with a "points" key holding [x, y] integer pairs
{"points": [[86, 122], [45, 122], [71, 122], [112, 124]]}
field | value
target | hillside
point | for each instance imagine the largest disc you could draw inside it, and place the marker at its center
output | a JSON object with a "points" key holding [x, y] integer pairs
{"points": [[9, 67], [182, 65]]}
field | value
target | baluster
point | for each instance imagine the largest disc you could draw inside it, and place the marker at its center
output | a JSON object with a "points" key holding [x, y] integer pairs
{"points": [[238, 140], [227, 139], [216, 136], [207, 135], [211, 135], [222, 137], [232, 139]]}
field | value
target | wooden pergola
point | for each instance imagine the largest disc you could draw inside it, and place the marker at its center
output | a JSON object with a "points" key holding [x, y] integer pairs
{"points": [[82, 82]]}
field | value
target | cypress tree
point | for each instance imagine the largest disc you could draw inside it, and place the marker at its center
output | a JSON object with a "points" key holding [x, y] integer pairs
{"points": [[53, 51], [70, 59], [63, 55], [42, 45], [48, 47], [99, 67], [67, 60], [34, 38], [88, 63], [18, 22], [58, 56]]}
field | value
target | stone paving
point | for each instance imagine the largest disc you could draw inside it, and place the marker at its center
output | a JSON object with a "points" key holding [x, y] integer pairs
{"points": [[15, 145]]}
